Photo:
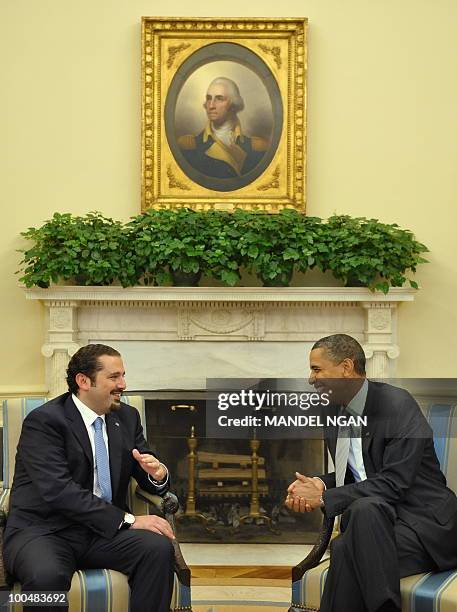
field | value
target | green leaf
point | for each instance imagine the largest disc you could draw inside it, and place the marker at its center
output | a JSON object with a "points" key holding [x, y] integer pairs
{"points": [[253, 251]]}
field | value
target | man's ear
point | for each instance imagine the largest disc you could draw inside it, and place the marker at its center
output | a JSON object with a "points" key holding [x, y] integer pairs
{"points": [[83, 381], [348, 367]]}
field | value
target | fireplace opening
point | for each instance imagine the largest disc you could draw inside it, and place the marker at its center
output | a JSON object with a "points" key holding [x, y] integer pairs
{"points": [[229, 490]]}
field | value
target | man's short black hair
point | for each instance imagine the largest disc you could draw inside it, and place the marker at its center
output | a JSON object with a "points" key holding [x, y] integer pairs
{"points": [[86, 361], [342, 346]]}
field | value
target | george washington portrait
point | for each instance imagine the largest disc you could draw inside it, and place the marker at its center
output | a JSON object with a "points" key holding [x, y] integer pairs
{"points": [[223, 117], [222, 149]]}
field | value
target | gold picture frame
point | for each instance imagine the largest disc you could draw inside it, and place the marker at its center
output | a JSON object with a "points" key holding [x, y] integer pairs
{"points": [[185, 159]]}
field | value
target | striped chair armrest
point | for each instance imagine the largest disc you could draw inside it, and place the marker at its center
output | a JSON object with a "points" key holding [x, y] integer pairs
{"points": [[442, 419], [14, 412]]}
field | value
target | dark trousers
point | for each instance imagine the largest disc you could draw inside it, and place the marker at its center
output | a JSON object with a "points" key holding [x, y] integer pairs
{"points": [[48, 562], [367, 560]]}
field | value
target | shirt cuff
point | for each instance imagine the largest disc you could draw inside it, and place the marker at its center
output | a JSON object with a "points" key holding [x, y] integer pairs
{"points": [[317, 478], [162, 483]]}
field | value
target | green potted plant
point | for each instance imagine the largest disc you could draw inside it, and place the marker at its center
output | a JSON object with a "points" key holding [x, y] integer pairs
{"points": [[180, 245], [366, 252], [159, 246], [84, 250], [223, 259], [274, 245]]}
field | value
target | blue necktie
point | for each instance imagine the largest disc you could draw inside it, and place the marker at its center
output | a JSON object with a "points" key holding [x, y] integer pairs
{"points": [[101, 460]]}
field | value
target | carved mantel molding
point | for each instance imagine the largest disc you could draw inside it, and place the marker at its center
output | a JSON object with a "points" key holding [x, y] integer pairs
{"points": [[78, 315]]}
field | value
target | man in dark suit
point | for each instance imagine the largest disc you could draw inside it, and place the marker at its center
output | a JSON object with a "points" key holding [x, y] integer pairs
{"points": [[398, 517], [74, 461]]}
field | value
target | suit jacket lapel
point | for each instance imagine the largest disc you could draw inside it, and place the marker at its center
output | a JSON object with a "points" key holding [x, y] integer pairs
{"points": [[113, 428], [368, 431], [79, 429], [331, 433]]}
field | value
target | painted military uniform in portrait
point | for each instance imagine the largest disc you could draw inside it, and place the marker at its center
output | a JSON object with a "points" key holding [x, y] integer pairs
{"points": [[223, 154]]}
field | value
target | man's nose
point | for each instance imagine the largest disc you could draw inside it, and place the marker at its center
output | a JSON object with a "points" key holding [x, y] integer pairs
{"points": [[311, 379]]}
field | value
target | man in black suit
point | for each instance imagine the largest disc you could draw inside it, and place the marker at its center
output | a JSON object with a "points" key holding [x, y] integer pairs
{"points": [[75, 457], [398, 517]]}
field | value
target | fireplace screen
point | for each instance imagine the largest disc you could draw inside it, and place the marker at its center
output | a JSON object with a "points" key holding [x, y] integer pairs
{"points": [[229, 489]]}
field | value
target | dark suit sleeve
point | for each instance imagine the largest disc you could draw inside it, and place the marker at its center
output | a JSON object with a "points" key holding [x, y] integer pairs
{"points": [[328, 479], [138, 473], [43, 454], [402, 457]]}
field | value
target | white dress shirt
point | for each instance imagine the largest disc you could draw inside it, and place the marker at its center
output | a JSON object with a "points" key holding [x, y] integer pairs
{"points": [[89, 416], [355, 458]]}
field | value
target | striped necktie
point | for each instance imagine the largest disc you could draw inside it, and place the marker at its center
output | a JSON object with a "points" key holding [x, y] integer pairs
{"points": [[101, 460], [342, 451]]}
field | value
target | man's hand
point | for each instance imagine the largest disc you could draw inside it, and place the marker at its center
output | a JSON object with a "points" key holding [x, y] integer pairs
{"points": [[154, 523], [150, 464], [304, 494]]}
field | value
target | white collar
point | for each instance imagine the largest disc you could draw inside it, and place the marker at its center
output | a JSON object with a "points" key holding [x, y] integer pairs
{"points": [[357, 404], [88, 415]]}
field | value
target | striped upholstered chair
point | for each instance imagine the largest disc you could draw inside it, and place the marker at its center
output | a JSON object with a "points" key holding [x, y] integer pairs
{"points": [[428, 592], [94, 590]]}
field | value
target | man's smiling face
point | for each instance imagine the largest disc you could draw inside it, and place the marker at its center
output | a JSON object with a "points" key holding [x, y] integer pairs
{"points": [[335, 378], [103, 394]]}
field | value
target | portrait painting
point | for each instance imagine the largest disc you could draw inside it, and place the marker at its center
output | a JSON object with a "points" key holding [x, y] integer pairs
{"points": [[224, 113], [223, 116]]}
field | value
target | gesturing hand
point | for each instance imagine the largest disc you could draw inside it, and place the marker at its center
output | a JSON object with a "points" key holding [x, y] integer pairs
{"points": [[150, 464], [152, 522]]}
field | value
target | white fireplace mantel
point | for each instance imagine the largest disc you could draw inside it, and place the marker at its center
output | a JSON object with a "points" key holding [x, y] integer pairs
{"points": [[170, 333]]}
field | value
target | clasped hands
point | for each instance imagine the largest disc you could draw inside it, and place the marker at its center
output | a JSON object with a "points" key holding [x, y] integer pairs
{"points": [[304, 494]]}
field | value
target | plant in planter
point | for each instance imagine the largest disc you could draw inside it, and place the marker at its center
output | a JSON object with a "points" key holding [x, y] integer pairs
{"points": [[169, 245], [273, 245], [86, 250], [368, 253], [223, 259], [180, 245], [153, 246]]}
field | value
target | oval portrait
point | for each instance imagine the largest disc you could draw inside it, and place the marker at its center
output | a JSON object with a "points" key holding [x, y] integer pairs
{"points": [[223, 116]]}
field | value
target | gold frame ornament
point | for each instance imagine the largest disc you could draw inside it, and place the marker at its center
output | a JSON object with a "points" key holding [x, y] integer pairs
{"points": [[264, 169]]}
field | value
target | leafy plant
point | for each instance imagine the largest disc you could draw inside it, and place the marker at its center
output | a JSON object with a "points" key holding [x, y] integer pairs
{"points": [[165, 241], [88, 250], [370, 253], [273, 245], [96, 250]]}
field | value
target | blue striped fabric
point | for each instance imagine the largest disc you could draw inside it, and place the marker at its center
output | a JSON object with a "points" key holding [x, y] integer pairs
{"points": [[440, 419], [183, 601], [96, 590], [427, 594], [27, 404], [297, 592]]}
